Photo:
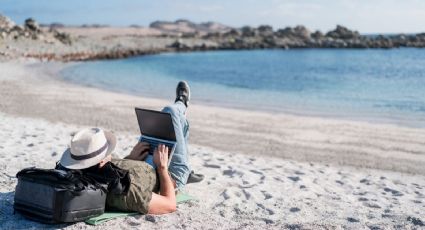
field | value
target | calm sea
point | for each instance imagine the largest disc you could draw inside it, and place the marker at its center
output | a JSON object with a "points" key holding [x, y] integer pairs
{"points": [[372, 85]]}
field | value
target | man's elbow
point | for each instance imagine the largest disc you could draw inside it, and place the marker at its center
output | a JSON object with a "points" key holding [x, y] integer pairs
{"points": [[165, 208], [172, 207], [169, 208]]}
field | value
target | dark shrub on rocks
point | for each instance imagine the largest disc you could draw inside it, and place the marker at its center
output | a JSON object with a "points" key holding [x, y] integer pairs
{"points": [[265, 30], [248, 31], [298, 32], [32, 25], [65, 38], [317, 35]]}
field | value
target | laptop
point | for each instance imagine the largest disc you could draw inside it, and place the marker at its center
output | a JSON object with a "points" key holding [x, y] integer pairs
{"points": [[156, 128]]}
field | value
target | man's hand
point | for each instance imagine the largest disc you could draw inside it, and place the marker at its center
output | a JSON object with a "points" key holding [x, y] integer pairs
{"points": [[160, 157], [139, 152]]}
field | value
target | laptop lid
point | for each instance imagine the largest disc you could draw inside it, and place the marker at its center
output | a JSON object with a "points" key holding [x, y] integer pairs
{"points": [[156, 124]]}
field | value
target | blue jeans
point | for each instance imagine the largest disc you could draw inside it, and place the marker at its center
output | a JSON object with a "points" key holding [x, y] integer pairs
{"points": [[179, 165]]}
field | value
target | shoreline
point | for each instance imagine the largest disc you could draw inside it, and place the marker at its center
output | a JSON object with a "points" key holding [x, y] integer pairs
{"points": [[301, 138], [366, 116]]}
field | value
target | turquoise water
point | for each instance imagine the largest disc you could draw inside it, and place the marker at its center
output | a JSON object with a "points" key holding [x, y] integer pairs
{"points": [[373, 85]]}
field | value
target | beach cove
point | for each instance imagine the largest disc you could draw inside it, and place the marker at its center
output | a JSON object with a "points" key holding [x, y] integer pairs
{"points": [[291, 171], [292, 128]]}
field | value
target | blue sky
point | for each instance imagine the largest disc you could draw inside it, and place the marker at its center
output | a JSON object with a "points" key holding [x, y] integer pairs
{"points": [[366, 16]]}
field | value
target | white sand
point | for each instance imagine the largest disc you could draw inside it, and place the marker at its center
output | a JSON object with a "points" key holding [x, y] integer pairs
{"points": [[303, 172]]}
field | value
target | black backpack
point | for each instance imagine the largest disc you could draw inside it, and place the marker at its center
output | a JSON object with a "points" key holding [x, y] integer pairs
{"points": [[58, 196]]}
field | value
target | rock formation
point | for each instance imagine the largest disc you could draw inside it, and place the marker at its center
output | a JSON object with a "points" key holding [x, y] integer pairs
{"points": [[300, 37], [32, 25], [185, 26], [49, 42], [342, 32], [6, 23], [30, 30], [6, 26]]}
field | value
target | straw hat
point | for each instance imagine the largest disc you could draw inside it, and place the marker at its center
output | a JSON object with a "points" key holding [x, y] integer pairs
{"points": [[88, 147]]}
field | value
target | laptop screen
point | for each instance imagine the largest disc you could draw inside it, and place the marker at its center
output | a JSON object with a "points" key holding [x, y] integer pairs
{"points": [[156, 124]]}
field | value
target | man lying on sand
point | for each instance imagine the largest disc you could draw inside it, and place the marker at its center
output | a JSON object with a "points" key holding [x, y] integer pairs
{"points": [[134, 182]]}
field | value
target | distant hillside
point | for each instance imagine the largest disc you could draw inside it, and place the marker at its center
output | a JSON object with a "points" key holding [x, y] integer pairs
{"points": [[186, 26]]}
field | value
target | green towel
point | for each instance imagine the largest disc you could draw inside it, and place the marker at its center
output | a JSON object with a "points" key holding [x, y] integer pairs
{"points": [[180, 198], [183, 197], [108, 216]]}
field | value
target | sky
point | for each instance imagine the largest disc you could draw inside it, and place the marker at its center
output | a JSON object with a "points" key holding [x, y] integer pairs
{"points": [[365, 16]]}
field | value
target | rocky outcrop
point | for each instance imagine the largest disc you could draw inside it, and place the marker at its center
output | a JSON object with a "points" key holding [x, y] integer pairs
{"points": [[32, 25], [298, 32], [51, 43], [6, 26], [300, 37], [186, 27], [6, 23], [30, 30], [65, 38], [265, 31], [342, 32]]}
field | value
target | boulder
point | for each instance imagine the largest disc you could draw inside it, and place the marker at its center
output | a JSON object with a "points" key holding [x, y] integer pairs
{"points": [[31, 25], [317, 35], [342, 32], [212, 27], [269, 42], [195, 34], [179, 45], [248, 31], [5, 23], [299, 32], [20, 29], [302, 32], [211, 35], [63, 37], [287, 32], [265, 30], [186, 26], [233, 33]]}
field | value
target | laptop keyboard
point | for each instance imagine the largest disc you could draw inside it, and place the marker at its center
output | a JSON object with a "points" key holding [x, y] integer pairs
{"points": [[154, 144]]}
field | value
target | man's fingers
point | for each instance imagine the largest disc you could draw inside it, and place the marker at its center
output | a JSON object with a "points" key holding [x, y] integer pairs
{"points": [[141, 145], [143, 156], [161, 148]]}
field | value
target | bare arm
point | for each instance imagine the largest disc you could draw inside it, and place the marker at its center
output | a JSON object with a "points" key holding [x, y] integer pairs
{"points": [[166, 201]]}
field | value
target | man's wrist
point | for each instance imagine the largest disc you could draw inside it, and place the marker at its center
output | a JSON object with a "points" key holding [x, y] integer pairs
{"points": [[162, 169]]}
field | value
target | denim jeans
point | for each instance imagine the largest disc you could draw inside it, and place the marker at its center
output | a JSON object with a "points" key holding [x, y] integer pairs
{"points": [[179, 165]]}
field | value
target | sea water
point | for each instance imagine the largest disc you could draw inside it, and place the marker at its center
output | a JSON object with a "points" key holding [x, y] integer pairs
{"points": [[373, 85]]}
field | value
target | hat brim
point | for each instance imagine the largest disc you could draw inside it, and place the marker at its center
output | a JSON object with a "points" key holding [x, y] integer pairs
{"points": [[68, 162]]}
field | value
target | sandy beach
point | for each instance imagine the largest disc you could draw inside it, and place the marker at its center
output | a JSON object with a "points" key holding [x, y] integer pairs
{"points": [[263, 170]]}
